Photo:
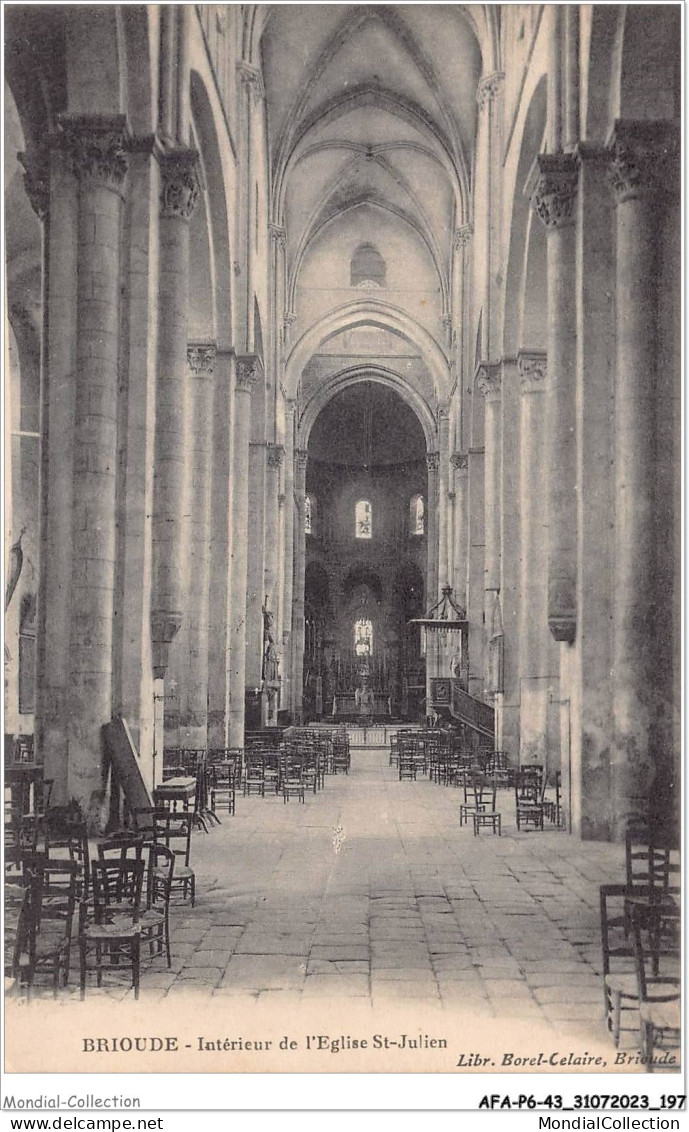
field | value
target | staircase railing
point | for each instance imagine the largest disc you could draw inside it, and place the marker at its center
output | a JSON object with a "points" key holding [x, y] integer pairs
{"points": [[472, 712]]}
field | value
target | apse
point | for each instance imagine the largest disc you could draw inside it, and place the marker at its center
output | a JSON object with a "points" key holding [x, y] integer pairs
{"points": [[367, 477]]}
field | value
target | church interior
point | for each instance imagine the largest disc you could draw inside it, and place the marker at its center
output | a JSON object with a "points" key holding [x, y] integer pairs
{"points": [[343, 388]]}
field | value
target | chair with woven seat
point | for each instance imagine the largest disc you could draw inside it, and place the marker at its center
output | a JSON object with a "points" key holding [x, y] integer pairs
{"points": [[656, 931], [620, 976], [292, 779], [254, 776], [70, 838], [528, 795], [620, 989], [53, 919], [484, 814], [154, 921], [479, 799], [109, 928], [173, 830]]}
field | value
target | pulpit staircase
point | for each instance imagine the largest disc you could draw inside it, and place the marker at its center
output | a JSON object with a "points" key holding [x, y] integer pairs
{"points": [[472, 713]]}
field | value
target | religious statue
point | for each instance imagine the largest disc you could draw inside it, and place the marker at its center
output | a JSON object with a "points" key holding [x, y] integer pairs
{"points": [[271, 661]]}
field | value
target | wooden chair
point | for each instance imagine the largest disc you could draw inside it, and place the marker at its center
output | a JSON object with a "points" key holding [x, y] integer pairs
{"points": [[109, 928], [254, 774], [155, 919], [552, 807], [54, 916], [173, 830], [620, 990], [528, 796], [293, 780], [479, 798], [652, 871], [223, 785], [484, 815], [70, 838], [656, 934]]}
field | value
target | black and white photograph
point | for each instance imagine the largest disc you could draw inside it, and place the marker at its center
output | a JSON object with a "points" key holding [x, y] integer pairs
{"points": [[343, 551]]}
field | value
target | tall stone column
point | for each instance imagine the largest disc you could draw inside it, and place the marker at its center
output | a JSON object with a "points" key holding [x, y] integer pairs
{"points": [[643, 155], [220, 634], [443, 502], [96, 147], [553, 199], [288, 560], [249, 369], [274, 457], [533, 605], [591, 716], [489, 381], [460, 464], [433, 465], [510, 555], [53, 194], [487, 211], [179, 194], [300, 462], [462, 236], [192, 651]]}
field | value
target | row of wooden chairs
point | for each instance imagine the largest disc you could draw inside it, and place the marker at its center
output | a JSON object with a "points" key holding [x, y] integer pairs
{"points": [[115, 922], [640, 922]]}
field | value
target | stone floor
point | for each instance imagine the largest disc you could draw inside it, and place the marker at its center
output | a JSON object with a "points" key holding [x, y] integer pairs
{"points": [[371, 894], [371, 890]]}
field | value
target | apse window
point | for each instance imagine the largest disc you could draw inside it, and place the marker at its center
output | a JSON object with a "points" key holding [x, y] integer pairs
{"points": [[363, 519], [309, 515], [417, 516], [363, 638], [367, 268]]}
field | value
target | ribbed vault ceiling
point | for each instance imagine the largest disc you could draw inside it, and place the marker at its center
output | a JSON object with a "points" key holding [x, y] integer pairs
{"points": [[372, 106]]}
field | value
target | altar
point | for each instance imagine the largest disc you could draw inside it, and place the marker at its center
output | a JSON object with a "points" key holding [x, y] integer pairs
{"points": [[355, 706]]}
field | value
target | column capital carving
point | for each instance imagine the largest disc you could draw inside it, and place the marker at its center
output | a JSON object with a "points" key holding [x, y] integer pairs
{"points": [[275, 454], [278, 235], [462, 235], [489, 87], [433, 461], [249, 369], [165, 625], [460, 462], [95, 146], [301, 458], [281, 499], [37, 180], [289, 317], [201, 358], [532, 366], [488, 379], [252, 79], [555, 190], [644, 159], [179, 192]]}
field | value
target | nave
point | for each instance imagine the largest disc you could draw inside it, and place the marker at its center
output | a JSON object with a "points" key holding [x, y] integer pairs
{"points": [[369, 900]]}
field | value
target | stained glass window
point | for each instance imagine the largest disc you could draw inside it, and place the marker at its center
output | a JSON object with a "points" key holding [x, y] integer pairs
{"points": [[363, 638], [417, 516], [363, 515]]}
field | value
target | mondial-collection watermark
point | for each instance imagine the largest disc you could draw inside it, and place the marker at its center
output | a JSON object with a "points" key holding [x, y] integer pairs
{"points": [[75, 1100]]}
